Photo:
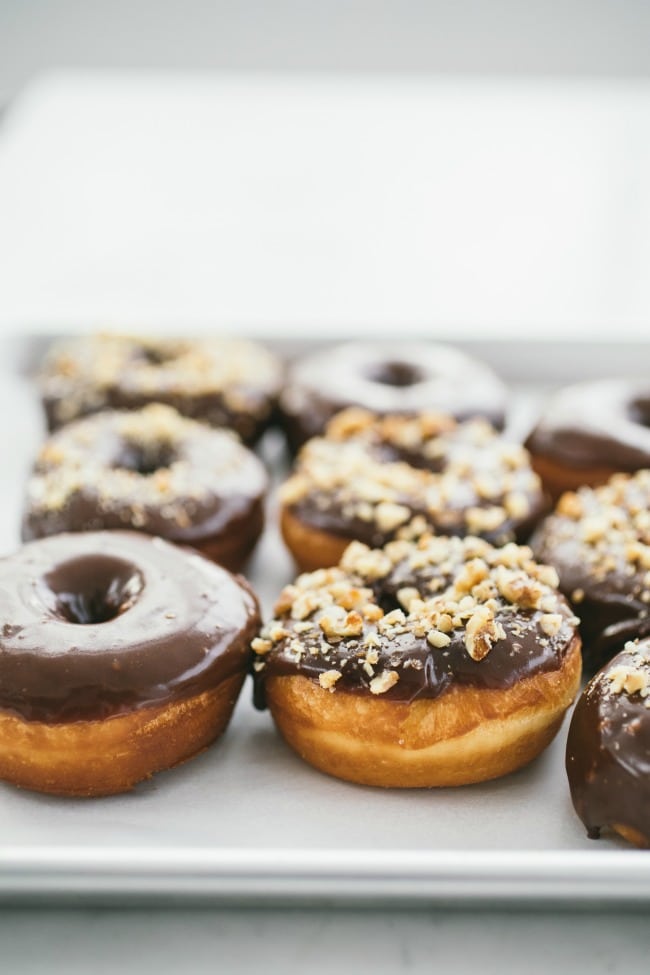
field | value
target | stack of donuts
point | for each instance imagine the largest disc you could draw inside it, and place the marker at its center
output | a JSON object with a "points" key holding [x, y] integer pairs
{"points": [[438, 628]]}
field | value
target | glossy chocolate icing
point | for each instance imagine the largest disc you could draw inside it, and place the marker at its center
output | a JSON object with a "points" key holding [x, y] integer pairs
{"points": [[222, 382], [424, 671], [596, 424], [387, 378], [608, 748], [100, 624], [151, 470], [599, 552]]}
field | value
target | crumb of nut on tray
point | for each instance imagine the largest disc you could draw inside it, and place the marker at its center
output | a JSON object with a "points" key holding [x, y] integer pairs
{"points": [[224, 382], [387, 377], [590, 431], [122, 655], [441, 661], [598, 539], [376, 478], [608, 748], [154, 471]]}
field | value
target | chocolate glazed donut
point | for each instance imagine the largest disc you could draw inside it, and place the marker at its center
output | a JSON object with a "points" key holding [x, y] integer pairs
{"points": [[376, 478], [222, 382], [387, 378], [598, 540], [590, 431], [431, 664], [121, 655], [608, 748], [154, 471]]}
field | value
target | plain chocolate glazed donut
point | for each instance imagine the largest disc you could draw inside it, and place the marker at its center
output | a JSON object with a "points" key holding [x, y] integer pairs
{"points": [[120, 655], [387, 378], [154, 471], [590, 431], [608, 748]]}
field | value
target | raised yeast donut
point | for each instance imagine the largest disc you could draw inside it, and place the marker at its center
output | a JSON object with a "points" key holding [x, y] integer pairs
{"points": [[121, 655], [223, 382], [435, 663], [387, 378], [375, 478], [608, 748], [154, 471], [590, 431], [598, 539]]}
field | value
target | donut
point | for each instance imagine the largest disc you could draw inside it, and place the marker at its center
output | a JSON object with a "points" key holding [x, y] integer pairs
{"points": [[223, 382], [384, 377], [151, 470], [122, 656], [598, 540], [439, 662], [376, 478], [608, 748], [590, 431]]}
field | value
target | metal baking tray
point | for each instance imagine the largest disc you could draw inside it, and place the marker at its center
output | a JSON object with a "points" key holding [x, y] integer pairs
{"points": [[248, 821]]}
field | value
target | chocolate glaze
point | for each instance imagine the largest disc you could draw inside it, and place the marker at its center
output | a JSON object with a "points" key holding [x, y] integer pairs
{"points": [[387, 378], [608, 752], [117, 372], [596, 424], [424, 671], [155, 624], [90, 476], [430, 672]]}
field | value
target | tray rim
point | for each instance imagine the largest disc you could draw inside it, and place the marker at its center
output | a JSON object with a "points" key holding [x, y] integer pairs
{"points": [[488, 878]]}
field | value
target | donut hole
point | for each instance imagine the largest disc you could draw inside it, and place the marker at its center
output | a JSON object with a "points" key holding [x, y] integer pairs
{"points": [[155, 355], [394, 373], [639, 412], [145, 459], [92, 589]]}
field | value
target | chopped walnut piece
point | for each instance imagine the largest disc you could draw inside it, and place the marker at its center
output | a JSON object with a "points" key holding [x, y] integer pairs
{"points": [[550, 623], [389, 515], [485, 519], [570, 505], [328, 679], [336, 624], [406, 596], [384, 681], [372, 612], [260, 646], [482, 632], [368, 563], [627, 679], [438, 639]]}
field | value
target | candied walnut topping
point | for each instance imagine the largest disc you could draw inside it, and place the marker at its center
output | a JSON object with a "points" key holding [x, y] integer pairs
{"points": [[397, 476], [382, 614]]}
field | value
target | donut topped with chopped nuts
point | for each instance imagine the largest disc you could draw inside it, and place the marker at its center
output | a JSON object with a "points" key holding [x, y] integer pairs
{"points": [[598, 539], [609, 745], [415, 618], [223, 382], [370, 477], [154, 471]]}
